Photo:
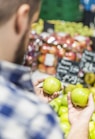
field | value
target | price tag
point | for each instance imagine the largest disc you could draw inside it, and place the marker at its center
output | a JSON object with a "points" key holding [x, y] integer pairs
{"points": [[87, 63], [68, 72], [49, 60], [48, 27]]}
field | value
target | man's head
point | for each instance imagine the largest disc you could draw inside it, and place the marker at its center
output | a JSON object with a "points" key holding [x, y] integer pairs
{"points": [[15, 19]]}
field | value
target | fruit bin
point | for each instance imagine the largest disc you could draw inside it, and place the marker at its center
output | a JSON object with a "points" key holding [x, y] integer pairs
{"points": [[60, 106], [61, 10]]}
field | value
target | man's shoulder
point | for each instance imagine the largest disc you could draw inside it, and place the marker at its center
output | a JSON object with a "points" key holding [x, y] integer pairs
{"points": [[23, 110]]}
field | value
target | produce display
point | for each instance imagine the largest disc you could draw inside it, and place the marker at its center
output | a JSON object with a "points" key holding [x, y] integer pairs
{"points": [[61, 45], [70, 41], [79, 97], [72, 28]]}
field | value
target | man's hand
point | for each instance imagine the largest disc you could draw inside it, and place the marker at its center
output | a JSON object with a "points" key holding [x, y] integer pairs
{"points": [[40, 93], [77, 115]]}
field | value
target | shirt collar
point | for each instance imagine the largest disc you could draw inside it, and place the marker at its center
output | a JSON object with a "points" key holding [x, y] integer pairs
{"points": [[17, 74]]}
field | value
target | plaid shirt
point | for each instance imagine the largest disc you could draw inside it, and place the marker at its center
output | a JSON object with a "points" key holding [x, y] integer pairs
{"points": [[22, 114]]}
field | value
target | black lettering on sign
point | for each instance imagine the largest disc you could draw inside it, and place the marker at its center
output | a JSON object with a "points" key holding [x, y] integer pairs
{"points": [[68, 71], [88, 61]]}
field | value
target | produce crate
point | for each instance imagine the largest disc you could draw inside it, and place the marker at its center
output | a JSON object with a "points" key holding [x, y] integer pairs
{"points": [[60, 9]]}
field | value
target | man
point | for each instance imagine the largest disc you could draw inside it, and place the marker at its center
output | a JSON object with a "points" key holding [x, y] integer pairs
{"points": [[22, 114], [88, 8]]}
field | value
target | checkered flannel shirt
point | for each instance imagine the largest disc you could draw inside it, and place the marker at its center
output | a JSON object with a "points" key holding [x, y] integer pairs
{"points": [[22, 114]]}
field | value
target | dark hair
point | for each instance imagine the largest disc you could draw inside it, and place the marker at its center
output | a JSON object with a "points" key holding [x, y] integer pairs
{"points": [[10, 7]]}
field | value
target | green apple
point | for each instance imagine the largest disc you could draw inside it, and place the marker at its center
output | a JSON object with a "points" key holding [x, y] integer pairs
{"points": [[92, 134], [89, 78], [79, 96], [64, 117], [65, 127], [62, 110], [51, 85], [69, 88], [92, 129], [58, 101], [64, 100], [93, 117], [54, 104], [78, 85], [91, 126]]}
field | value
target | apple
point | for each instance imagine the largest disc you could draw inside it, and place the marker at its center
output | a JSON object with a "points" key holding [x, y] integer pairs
{"points": [[83, 44], [79, 96], [61, 52], [41, 58], [44, 49], [64, 117], [93, 117], [64, 100], [62, 110], [69, 41], [92, 130], [76, 46], [69, 88], [55, 105], [51, 85], [70, 56], [58, 100], [89, 78], [65, 126], [53, 50], [79, 85], [91, 126], [92, 134]]}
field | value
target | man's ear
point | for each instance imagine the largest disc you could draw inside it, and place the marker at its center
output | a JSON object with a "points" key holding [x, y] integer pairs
{"points": [[22, 19]]}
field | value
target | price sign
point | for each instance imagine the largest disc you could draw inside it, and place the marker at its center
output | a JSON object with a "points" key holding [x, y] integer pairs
{"points": [[48, 27], [87, 63], [68, 72]]}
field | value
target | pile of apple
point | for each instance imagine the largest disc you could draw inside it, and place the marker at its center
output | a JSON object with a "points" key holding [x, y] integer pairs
{"points": [[46, 50], [79, 97], [60, 45], [72, 28]]}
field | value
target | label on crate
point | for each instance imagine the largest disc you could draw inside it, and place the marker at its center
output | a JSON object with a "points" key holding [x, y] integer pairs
{"points": [[49, 60], [87, 63], [68, 72]]}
